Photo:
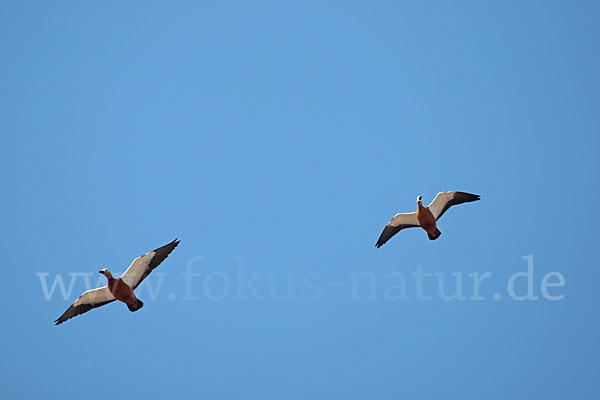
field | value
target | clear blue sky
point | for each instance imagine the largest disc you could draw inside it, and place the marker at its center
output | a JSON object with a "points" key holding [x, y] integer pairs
{"points": [[287, 134]]}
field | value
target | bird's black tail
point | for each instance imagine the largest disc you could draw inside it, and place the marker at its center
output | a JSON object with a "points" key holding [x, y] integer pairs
{"points": [[137, 305], [437, 234]]}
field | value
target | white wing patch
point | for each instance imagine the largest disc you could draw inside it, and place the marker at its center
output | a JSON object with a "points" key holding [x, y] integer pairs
{"points": [[136, 270], [404, 219], [439, 203], [95, 296], [399, 222], [444, 200]]}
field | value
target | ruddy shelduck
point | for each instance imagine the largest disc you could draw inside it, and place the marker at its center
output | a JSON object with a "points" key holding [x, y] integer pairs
{"points": [[120, 288], [425, 217]]}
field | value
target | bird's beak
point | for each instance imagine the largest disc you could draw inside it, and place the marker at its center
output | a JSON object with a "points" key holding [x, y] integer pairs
{"points": [[102, 272]]}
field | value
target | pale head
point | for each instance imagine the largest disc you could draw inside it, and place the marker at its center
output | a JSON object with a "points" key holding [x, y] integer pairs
{"points": [[106, 273], [419, 200]]}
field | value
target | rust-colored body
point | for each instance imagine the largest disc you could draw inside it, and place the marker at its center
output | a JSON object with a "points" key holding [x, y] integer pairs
{"points": [[120, 288], [122, 291], [426, 220], [425, 217]]}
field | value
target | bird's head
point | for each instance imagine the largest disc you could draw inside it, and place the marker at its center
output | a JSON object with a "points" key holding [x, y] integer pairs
{"points": [[419, 200], [106, 273]]}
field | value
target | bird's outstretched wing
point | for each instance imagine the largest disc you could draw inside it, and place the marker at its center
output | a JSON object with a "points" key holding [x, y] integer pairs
{"points": [[91, 299], [399, 222], [141, 267], [444, 200]]}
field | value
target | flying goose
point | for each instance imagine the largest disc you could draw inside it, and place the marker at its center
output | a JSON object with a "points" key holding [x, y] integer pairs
{"points": [[120, 288], [425, 217]]}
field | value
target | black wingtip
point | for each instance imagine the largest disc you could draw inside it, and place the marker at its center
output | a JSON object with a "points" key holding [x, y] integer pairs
{"points": [[175, 242], [470, 196]]}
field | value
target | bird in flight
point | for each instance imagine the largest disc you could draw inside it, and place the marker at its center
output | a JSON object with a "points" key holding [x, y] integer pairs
{"points": [[425, 217], [120, 288]]}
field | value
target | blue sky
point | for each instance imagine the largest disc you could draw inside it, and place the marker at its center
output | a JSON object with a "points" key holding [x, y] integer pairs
{"points": [[276, 140]]}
